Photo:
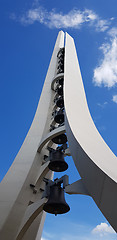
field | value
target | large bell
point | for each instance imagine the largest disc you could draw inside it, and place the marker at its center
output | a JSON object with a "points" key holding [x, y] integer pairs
{"points": [[60, 90], [56, 203], [57, 162], [60, 139], [60, 102], [59, 117]]}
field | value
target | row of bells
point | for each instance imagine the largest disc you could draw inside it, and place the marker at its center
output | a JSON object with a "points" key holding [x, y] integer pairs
{"points": [[60, 57], [59, 100], [57, 162], [59, 115], [56, 203]]}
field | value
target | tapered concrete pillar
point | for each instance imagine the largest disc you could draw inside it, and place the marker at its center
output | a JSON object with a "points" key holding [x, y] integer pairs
{"points": [[20, 188]]}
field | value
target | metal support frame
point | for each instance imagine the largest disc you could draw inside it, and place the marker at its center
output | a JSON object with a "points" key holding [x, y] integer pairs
{"points": [[64, 179]]}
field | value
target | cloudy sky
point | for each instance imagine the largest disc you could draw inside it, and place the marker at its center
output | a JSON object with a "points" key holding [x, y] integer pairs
{"points": [[28, 34]]}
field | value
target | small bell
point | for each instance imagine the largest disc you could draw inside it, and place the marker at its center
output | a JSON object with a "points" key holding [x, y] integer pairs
{"points": [[60, 70], [60, 81], [59, 116], [60, 90], [60, 139], [60, 52], [61, 60], [61, 56], [60, 102], [57, 162], [60, 65], [56, 203]]}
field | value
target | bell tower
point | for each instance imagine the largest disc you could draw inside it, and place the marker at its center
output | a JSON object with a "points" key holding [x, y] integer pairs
{"points": [[62, 126]]}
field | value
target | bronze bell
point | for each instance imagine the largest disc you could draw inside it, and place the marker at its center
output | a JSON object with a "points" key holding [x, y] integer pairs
{"points": [[60, 70], [60, 102], [56, 203], [60, 65], [61, 52], [60, 90], [59, 116], [60, 81], [60, 139], [57, 162], [61, 55], [61, 60]]}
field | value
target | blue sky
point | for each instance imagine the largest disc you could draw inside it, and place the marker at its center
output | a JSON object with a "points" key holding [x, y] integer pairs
{"points": [[28, 34]]}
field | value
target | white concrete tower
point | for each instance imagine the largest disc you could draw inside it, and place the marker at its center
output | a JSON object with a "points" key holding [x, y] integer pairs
{"points": [[21, 203]]}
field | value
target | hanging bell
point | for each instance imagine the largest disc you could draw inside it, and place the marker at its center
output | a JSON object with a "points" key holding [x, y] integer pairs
{"points": [[61, 55], [60, 70], [56, 203], [57, 162], [60, 52], [60, 81], [60, 90], [59, 116], [60, 65], [60, 139], [61, 60], [60, 102]]}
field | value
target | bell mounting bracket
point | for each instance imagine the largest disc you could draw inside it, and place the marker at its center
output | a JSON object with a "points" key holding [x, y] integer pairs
{"points": [[63, 180]]}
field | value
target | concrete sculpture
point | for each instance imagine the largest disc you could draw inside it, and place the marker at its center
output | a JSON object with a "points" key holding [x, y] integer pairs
{"points": [[21, 202]]}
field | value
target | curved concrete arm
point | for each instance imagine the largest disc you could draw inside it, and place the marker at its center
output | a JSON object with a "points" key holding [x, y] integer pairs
{"points": [[51, 135], [79, 117], [94, 160], [32, 212]]}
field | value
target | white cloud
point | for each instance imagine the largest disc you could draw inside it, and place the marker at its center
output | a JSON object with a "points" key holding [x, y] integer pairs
{"points": [[53, 19], [33, 15], [114, 99], [106, 72], [103, 229], [102, 105], [73, 19], [102, 25], [76, 231], [113, 32]]}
